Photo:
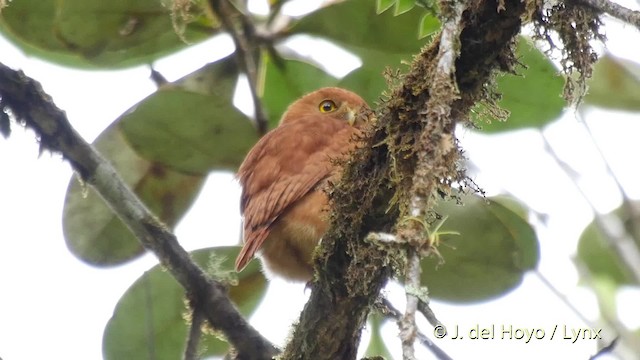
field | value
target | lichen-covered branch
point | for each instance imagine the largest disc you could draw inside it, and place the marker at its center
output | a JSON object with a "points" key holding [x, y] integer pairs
{"points": [[29, 104], [407, 323], [376, 186], [436, 160], [615, 10]]}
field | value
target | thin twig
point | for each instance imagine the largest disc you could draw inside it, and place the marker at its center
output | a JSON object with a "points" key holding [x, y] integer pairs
{"points": [[158, 79], [627, 204], [621, 244], [610, 319], [390, 311], [605, 350], [35, 109], [615, 10], [408, 326], [563, 298], [195, 332], [246, 49], [425, 310]]}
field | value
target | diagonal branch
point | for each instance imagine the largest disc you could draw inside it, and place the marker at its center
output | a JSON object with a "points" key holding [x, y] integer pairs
{"points": [[389, 310], [29, 104], [615, 10], [607, 349], [247, 48], [620, 241]]}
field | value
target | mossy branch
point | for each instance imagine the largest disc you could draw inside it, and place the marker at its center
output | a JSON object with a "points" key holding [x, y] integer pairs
{"points": [[351, 272]]}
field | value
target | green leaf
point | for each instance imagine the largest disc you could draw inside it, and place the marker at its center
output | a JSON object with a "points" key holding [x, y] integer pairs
{"points": [[217, 79], [489, 257], [189, 132], [429, 24], [92, 231], [149, 319], [615, 84], [356, 23], [192, 125], [287, 81], [384, 5], [163, 148], [595, 252], [403, 6], [512, 204], [368, 80], [377, 346], [96, 33], [533, 96]]}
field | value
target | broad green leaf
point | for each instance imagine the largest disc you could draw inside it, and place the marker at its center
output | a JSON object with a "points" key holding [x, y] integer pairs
{"points": [[429, 24], [368, 80], [356, 23], [489, 257], [288, 80], [149, 319], [188, 131], [162, 148], [191, 125], [402, 6], [595, 252], [96, 33], [93, 232], [533, 96], [384, 5], [377, 346], [512, 204], [615, 84], [217, 79]]}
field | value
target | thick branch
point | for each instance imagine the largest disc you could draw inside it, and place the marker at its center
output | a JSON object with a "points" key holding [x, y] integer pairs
{"points": [[30, 105], [351, 272], [615, 10]]}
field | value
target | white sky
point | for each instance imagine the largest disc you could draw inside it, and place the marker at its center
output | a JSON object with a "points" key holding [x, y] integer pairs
{"points": [[54, 306]]}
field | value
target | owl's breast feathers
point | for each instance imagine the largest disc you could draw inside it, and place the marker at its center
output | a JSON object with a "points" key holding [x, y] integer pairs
{"points": [[287, 164]]}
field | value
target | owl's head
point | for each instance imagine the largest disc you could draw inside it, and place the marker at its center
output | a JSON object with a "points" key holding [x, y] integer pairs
{"points": [[331, 102]]}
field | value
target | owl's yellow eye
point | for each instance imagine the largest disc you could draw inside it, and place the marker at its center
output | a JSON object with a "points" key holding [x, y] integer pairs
{"points": [[327, 106]]}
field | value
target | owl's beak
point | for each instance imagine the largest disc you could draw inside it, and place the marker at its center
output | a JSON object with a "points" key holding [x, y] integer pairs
{"points": [[351, 116]]}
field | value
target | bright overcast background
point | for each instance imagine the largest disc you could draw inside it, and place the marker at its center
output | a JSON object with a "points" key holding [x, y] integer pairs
{"points": [[53, 306]]}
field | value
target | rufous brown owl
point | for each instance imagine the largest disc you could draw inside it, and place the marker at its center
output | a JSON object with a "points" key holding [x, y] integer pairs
{"points": [[285, 175]]}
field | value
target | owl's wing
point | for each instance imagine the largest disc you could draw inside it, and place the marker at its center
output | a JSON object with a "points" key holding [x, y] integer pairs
{"points": [[285, 165]]}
